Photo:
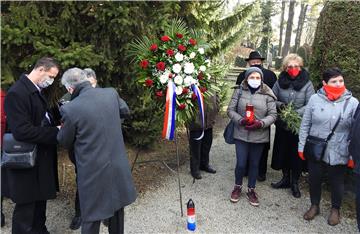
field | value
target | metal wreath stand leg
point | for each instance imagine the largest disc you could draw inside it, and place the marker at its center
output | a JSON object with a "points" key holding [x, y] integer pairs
{"points": [[178, 168], [178, 173]]}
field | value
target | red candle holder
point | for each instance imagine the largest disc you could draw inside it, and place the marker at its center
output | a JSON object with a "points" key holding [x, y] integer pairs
{"points": [[250, 116]]}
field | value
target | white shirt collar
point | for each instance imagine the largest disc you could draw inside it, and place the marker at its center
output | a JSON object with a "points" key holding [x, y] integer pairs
{"points": [[33, 83]]}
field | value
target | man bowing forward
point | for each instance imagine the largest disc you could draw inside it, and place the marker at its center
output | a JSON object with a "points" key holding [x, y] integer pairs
{"points": [[91, 124]]}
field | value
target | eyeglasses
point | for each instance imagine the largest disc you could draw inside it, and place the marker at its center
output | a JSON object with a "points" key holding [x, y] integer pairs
{"points": [[296, 66]]}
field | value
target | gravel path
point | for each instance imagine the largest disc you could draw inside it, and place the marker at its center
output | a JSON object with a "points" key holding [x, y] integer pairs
{"points": [[158, 210]]}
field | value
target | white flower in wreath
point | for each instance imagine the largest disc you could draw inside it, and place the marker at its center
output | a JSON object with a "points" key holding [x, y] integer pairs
{"points": [[176, 68], [201, 50], [192, 55], [178, 90], [187, 80], [202, 68], [178, 80], [164, 78], [179, 57], [189, 68], [194, 81], [207, 61]]}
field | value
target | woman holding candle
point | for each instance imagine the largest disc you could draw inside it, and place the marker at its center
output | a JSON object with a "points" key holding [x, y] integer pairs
{"points": [[293, 86], [253, 109]]}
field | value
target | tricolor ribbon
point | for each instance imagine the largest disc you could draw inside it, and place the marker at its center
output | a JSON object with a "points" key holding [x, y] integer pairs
{"points": [[168, 131], [200, 100]]}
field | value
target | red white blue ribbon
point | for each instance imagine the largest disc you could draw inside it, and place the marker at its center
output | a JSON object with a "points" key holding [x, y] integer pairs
{"points": [[168, 131], [200, 100]]}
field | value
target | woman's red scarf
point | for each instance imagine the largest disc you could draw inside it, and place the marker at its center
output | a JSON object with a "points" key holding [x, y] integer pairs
{"points": [[333, 93]]}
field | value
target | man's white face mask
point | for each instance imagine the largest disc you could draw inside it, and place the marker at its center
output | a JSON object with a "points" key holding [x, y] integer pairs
{"points": [[46, 82]]}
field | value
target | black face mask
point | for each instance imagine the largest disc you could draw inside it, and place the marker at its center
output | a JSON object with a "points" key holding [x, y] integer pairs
{"points": [[256, 65]]}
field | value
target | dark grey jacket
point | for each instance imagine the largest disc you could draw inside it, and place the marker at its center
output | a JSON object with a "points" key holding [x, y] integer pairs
{"points": [[320, 117], [354, 147], [211, 108], [263, 101], [92, 125]]}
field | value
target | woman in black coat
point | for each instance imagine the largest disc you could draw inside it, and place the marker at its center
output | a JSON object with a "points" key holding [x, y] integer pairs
{"points": [[293, 86]]}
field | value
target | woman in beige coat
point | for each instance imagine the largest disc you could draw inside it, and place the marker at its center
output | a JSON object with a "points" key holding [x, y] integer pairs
{"points": [[250, 134]]}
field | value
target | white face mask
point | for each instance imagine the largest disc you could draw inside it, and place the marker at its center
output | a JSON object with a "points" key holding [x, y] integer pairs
{"points": [[46, 82], [254, 83]]}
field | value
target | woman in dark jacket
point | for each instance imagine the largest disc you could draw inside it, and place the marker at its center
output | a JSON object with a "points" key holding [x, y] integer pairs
{"points": [[251, 129], [293, 86]]}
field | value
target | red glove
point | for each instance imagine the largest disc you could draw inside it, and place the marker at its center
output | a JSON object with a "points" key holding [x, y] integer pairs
{"points": [[243, 122], [301, 155], [255, 125], [351, 164]]}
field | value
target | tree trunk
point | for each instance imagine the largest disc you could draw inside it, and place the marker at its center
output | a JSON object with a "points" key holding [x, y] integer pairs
{"points": [[287, 41], [266, 9], [281, 26], [300, 25]]}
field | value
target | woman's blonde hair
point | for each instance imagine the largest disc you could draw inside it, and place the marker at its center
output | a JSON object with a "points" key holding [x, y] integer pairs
{"points": [[292, 57]]}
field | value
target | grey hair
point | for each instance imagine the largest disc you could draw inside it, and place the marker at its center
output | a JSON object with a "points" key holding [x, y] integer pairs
{"points": [[90, 73], [72, 77]]}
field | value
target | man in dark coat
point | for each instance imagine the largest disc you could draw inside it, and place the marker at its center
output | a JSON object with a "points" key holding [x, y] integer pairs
{"points": [[200, 148], [255, 60], [76, 220], [354, 150], [91, 124], [30, 121]]}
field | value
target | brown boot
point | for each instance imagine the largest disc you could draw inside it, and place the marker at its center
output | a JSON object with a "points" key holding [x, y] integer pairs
{"points": [[312, 212], [334, 217]]}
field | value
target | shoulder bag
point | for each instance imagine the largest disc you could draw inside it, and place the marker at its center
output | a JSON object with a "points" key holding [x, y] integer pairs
{"points": [[17, 154], [229, 129]]}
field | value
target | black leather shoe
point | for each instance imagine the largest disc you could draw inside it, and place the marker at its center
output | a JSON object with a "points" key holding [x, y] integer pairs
{"points": [[208, 169], [295, 190], [283, 183], [75, 223], [261, 178], [196, 175]]}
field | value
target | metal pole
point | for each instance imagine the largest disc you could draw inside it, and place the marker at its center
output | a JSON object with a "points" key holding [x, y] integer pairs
{"points": [[178, 173]]}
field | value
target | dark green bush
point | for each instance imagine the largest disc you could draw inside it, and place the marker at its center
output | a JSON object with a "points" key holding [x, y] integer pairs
{"points": [[337, 43]]}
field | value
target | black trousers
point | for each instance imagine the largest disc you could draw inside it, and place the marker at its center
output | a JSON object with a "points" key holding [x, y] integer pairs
{"points": [[116, 224], [29, 218], [77, 203], [358, 200], [200, 149], [336, 179]]}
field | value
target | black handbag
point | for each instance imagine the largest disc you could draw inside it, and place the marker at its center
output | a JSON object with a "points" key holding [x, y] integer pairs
{"points": [[229, 133], [17, 154], [315, 147], [229, 129]]}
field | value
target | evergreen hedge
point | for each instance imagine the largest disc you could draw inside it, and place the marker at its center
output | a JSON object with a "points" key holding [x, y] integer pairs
{"points": [[337, 43]]}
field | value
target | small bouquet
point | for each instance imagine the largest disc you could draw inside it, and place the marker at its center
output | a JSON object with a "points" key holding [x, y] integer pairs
{"points": [[291, 118]]}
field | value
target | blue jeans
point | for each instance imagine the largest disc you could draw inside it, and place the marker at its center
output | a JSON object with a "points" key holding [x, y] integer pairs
{"points": [[358, 199], [251, 153]]}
